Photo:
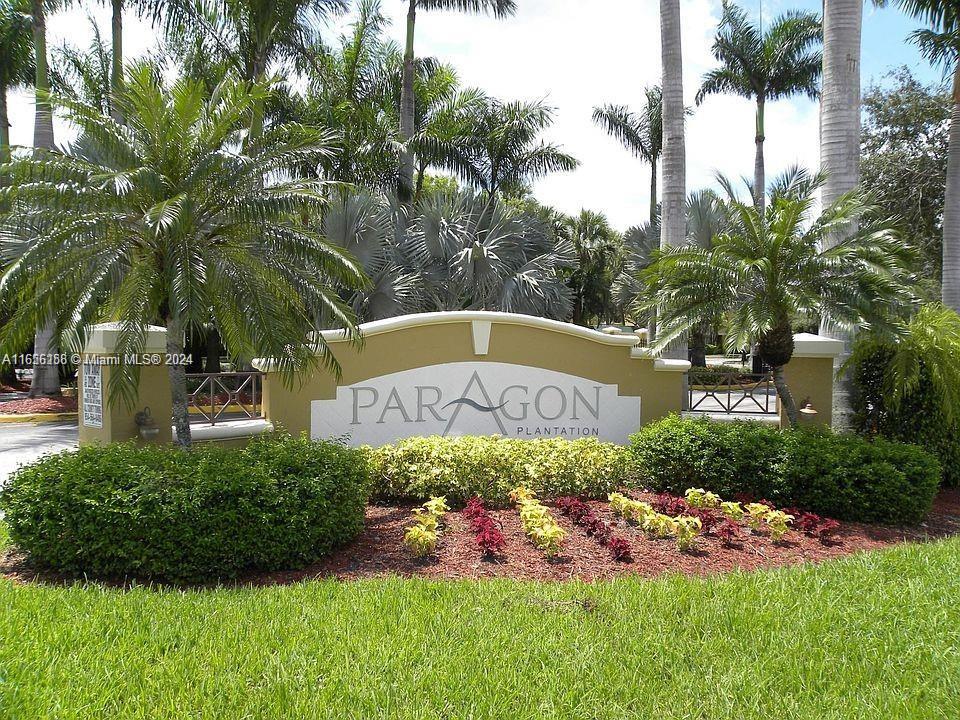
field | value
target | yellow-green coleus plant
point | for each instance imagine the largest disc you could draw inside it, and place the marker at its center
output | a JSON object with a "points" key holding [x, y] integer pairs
{"points": [[686, 529], [700, 498], [538, 523], [423, 536]]}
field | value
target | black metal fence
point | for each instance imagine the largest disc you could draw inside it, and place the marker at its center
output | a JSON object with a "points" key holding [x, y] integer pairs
{"points": [[731, 392], [223, 397]]}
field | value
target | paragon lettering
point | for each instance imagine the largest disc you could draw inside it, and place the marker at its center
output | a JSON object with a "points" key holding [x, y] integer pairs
{"points": [[515, 403], [475, 398]]}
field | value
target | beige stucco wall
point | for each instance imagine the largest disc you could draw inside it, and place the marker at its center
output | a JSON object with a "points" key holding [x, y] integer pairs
{"points": [[407, 348], [118, 419], [810, 377]]}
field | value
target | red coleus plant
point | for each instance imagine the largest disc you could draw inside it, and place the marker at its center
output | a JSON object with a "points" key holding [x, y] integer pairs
{"points": [[813, 525], [727, 531], [489, 538], [594, 526], [671, 505]]}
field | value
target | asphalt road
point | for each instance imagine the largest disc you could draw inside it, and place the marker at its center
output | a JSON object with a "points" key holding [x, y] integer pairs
{"points": [[21, 443]]}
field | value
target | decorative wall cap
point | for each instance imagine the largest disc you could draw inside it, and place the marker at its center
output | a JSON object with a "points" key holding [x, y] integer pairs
{"points": [[102, 338], [671, 365], [810, 345], [497, 318]]}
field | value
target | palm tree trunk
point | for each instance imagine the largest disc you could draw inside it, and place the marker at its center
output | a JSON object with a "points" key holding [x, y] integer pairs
{"points": [[840, 146], [178, 384], [46, 376], [950, 292], [672, 222], [407, 111], [759, 172], [786, 397], [672, 207], [653, 192], [4, 127], [116, 68]]}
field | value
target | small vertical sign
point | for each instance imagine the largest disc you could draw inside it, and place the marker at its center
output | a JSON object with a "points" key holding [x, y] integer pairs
{"points": [[92, 395]]}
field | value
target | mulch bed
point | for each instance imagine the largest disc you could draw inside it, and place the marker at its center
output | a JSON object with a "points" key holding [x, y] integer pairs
{"points": [[379, 550], [30, 406]]}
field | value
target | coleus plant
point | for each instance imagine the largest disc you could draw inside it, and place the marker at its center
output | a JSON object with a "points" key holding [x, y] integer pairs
{"points": [[583, 515], [488, 536], [538, 523], [423, 536], [700, 498]]}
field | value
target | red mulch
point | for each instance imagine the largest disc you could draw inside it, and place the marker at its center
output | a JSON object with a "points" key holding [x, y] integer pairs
{"points": [[29, 406], [379, 550]]}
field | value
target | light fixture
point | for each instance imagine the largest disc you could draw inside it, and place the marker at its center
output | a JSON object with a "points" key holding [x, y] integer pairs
{"points": [[806, 407], [146, 424]]}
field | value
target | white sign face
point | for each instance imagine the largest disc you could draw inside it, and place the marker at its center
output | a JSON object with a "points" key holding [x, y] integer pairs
{"points": [[92, 376], [475, 398]]}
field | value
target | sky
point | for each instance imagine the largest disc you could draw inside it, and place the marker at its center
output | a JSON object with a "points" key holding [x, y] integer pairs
{"points": [[577, 55]]}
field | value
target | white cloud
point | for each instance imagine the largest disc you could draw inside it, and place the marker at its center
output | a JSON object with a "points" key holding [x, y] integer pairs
{"points": [[576, 55]]}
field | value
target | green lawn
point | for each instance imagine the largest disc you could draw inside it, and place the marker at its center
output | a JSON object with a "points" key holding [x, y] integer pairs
{"points": [[874, 636]]}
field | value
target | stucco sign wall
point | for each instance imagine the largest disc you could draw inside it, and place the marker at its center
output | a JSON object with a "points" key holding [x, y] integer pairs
{"points": [[475, 398], [475, 373]]}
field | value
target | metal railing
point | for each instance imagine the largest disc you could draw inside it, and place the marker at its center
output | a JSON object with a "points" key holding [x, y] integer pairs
{"points": [[223, 397], [731, 393]]}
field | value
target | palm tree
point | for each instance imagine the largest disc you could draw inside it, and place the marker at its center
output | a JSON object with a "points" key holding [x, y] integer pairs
{"points": [[167, 220], [83, 75], [116, 39], [769, 270], [641, 133], [504, 151], [672, 220], [499, 8], [598, 248], [46, 375], [765, 65], [458, 251], [16, 60], [249, 36], [941, 44]]}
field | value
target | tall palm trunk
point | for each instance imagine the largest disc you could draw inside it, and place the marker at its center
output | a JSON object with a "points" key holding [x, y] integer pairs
{"points": [[672, 221], [759, 172], [46, 376], [4, 127], [950, 292], [407, 110], [116, 67], [178, 384], [653, 192], [840, 144]]}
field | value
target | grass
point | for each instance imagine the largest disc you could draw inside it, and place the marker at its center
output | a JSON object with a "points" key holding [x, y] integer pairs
{"points": [[873, 636]]}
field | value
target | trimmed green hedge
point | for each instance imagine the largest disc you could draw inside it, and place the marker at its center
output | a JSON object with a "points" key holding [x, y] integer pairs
{"points": [[918, 419], [211, 513], [461, 467], [841, 476]]}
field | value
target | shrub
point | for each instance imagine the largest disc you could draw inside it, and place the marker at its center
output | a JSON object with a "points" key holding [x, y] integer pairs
{"points": [[918, 418], [489, 467], [838, 475], [160, 513], [675, 454]]}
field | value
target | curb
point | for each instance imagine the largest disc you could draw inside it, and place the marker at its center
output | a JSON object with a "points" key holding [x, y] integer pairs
{"points": [[38, 417]]}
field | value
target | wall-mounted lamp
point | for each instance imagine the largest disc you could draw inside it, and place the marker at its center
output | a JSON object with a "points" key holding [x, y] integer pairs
{"points": [[806, 407], [146, 424]]}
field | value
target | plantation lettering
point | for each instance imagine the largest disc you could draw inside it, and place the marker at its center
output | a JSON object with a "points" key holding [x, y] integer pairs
{"points": [[475, 398]]}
